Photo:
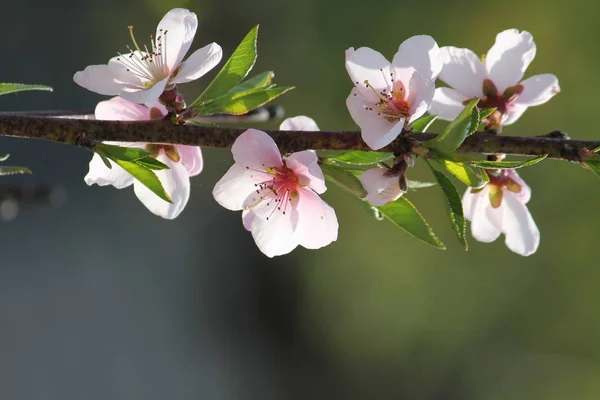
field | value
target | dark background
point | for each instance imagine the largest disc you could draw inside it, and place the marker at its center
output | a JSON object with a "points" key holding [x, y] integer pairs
{"points": [[99, 299]]}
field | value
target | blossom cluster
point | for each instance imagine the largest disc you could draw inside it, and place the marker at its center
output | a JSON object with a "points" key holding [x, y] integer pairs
{"points": [[279, 194]]}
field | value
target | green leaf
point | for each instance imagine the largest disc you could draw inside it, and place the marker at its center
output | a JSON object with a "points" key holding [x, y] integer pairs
{"points": [[151, 163], [257, 82], [242, 102], [465, 173], [593, 166], [6, 170], [506, 164], [423, 123], [457, 131], [146, 177], [405, 215], [4, 157], [6, 88], [121, 152], [363, 157], [454, 204], [486, 112], [344, 179], [234, 71], [414, 185]]}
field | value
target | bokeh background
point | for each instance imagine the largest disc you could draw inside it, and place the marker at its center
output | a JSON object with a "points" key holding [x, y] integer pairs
{"points": [[99, 299]]}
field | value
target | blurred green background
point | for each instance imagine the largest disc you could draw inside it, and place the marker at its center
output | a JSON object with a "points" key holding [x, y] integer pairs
{"points": [[101, 299]]}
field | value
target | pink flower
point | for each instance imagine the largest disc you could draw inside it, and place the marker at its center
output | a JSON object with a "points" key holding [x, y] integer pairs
{"points": [[500, 208], [385, 185], [183, 161], [142, 76], [279, 195], [389, 96], [496, 81]]}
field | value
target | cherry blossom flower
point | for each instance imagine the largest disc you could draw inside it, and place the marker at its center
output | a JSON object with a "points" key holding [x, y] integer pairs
{"points": [[496, 80], [500, 208], [183, 161], [142, 75], [279, 195], [385, 185], [388, 97]]}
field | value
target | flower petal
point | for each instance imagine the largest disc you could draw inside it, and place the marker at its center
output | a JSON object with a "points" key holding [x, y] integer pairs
{"points": [[256, 150], [144, 96], [191, 158], [522, 234], [199, 63], [509, 57], [119, 109], [513, 113], [381, 189], [98, 79], [101, 175], [272, 230], [176, 30], [305, 166], [232, 190], [376, 131], [482, 227], [420, 95], [317, 223], [538, 89], [463, 70], [469, 200], [366, 64], [299, 123], [176, 183], [447, 103], [247, 218], [525, 194], [422, 53]]}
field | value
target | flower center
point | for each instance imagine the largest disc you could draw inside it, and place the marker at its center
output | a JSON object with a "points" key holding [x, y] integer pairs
{"points": [[503, 102], [279, 189], [170, 151], [148, 65], [499, 179], [392, 104]]}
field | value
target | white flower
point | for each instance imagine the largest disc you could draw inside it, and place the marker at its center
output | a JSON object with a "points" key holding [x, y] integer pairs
{"points": [[389, 96], [381, 186], [183, 161], [142, 75], [279, 195], [500, 208], [496, 81]]}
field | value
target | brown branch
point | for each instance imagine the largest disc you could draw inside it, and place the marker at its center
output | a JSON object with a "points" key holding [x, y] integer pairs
{"points": [[87, 133]]}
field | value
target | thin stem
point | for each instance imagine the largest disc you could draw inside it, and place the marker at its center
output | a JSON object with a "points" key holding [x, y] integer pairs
{"points": [[86, 133]]}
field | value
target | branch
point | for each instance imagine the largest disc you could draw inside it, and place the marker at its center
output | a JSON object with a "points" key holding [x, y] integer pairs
{"points": [[86, 133]]}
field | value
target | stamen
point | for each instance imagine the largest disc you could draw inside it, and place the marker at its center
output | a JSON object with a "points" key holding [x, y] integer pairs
{"points": [[130, 27]]}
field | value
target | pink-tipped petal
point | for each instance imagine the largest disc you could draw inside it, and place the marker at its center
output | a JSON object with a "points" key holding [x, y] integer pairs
{"points": [[191, 158], [463, 71], [509, 57], [366, 64], [317, 224], [447, 103], [422, 53], [305, 166], [256, 150], [119, 109], [538, 89], [299, 123], [180, 26], [101, 175], [381, 189], [522, 234], [199, 63]]}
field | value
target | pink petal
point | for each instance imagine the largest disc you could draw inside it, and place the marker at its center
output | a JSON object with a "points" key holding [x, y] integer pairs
{"points": [[366, 64], [522, 234], [180, 25], [256, 150], [272, 230], [232, 190], [538, 89], [513, 113], [305, 166], [509, 57], [525, 194], [247, 218], [98, 79], [101, 175], [299, 123], [420, 52], [447, 103], [463, 71], [420, 95], [317, 224], [482, 228], [118, 109], [199, 63], [176, 183], [191, 158], [381, 189]]}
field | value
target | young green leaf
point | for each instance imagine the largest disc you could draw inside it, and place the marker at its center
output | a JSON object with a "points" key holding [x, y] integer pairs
{"points": [[6, 88], [423, 123], [121, 152], [234, 71], [415, 185], [344, 179], [465, 173], [593, 166], [506, 164], [363, 157], [259, 81], [146, 177], [457, 131], [405, 215], [454, 204], [242, 102], [6, 170], [486, 112]]}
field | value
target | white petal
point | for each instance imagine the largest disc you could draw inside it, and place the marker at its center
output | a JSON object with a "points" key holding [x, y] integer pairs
{"points": [[247, 218], [176, 183], [366, 64], [468, 202], [305, 166], [191, 158], [272, 230], [420, 95], [98, 79], [232, 190], [256, 150], [422, 53], [317, 224], [377, 132], [299, 123], [180, 26], [447, 103], [463, 71], [482, 227], [101, 175], [522, 234], [509, 57], [199, 63], [118, 109], [538, 89], [121, 73], [144, 96], [525, 194], [513, 113], [381, 189]]}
